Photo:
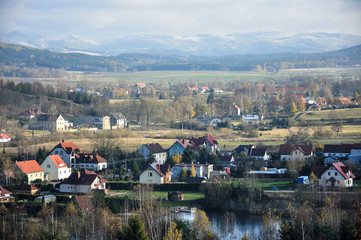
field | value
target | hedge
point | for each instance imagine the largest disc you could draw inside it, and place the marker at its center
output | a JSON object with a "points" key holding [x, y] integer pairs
{"points": [[156, 187]]}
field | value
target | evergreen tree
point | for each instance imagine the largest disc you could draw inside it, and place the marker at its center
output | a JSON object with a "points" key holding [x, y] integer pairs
{"points": [[135, 229], [188, 155]]}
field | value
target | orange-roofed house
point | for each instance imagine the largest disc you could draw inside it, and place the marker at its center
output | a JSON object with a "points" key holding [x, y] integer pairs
{"points": [[32, 169], [66, 150], [55, 168], [90, 161]]}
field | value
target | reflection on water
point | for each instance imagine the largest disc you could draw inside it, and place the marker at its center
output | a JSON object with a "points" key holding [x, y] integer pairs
{"points": [[244, 223]]}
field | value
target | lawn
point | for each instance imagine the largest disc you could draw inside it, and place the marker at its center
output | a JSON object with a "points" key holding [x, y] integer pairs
{"points": [[269, 183]]}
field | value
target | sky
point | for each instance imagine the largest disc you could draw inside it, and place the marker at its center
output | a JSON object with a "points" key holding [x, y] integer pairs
{"points": [[113, 19]]}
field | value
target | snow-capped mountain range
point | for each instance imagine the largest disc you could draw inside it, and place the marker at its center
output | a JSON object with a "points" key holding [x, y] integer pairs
{"points": [[200, 45]]}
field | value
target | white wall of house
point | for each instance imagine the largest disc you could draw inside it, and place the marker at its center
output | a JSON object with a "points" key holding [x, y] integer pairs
{"points": [[150, 176], [70, 188], [53, 172], [340, 180], [159, 157], [91, 166], [201, 170]]}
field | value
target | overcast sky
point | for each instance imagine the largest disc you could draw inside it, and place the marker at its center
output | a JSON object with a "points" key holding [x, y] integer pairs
{"points": [[112, 19]]}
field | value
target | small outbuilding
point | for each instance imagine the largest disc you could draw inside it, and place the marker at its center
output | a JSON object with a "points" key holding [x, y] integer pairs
{"points": [[47, 199], [176, 196]]}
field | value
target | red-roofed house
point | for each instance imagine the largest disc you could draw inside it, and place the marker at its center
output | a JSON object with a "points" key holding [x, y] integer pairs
{"points": [[55, 168], [4, 138], [236, 111], [90, 161], [66, 150], [206, 141], [32, 169], [156, 149], [178, 147], [155, 173], [334, 175], [295, 152], [5, 195], [82, 182]]}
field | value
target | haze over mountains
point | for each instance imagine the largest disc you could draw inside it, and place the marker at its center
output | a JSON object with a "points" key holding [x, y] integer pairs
{"points": [[199, 45]]}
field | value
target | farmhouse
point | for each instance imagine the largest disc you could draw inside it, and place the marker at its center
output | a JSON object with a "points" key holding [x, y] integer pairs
{"points": [[290, 152], [31, 169], [333, 176], [66, 150], [155, 173], [55, 168], [84, 181], [155, 149]]}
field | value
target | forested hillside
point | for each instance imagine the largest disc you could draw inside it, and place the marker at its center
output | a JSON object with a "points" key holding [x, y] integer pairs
{"points": [[16, 59]]}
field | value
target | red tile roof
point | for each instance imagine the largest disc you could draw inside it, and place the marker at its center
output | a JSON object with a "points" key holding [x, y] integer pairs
{"points": [[3, 191], [31, 166], [84, 177], [287, 149], [59, 163], [67, 146], [85, 203], [340, 167], [341, 148], [4, 136]]}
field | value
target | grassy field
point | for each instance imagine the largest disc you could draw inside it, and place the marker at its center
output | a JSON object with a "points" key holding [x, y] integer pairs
{"points": [[324, 114]]}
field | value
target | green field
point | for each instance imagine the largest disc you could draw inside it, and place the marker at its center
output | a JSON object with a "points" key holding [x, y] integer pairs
{"points": [[324, 114]]}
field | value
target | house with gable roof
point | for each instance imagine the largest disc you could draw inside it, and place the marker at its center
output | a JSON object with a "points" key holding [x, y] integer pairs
{"points": [[90, 161], [202, 170], [67, 151], [226, 161], [156, 149], [55, 168], [84, 181], [336, 175], [339, 150], [31, 169], [260, 153], [5, 195], [4, 138], [155, 173], [178, 147], [289, 152], [206, 141], [117, 120]]}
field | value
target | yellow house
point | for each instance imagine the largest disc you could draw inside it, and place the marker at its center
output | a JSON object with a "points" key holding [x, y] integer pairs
{"points": [[32, 169]]}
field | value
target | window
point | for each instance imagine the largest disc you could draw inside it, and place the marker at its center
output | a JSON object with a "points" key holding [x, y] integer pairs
{"points": [[335, 173], [56, 152], [36, 174], [329, 174], [61, 152], [48, 166], [150, 174]]}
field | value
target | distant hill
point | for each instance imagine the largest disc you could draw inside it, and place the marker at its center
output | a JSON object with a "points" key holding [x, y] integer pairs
{"points": [[198, 45], [13, 58]]}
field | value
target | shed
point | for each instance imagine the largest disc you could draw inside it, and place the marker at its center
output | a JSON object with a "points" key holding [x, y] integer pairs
{"points": [[47, 199], [176, 196], [303, 180]]}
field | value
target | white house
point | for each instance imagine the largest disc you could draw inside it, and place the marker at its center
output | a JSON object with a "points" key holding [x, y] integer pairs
{"points": [[260, 153], [155, 173], [4, 138], [156, 149], [227, 161], [90, 161], [82, 182], [290, 152], [202, 170], [55, 168], [45, 122], [66, 150], [336, 175], [339, 150], [250, 119], [117, 120]]}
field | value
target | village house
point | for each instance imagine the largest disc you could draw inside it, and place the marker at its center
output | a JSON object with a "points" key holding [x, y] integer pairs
{"points": [[66, 150], [251, 119], [206, 141], [4, 138], [290, 152], [5, 195], [55, 168], [339, 150], [236, 111], [31, 169], [45, 122], [260, 153], [178, 147], [93, 122], [155, 149], [226, 161], [244, 149], [335, 175], [202, 170], [118, 120], [155, 173], [30, 114], [90, 161], [84, 181]]}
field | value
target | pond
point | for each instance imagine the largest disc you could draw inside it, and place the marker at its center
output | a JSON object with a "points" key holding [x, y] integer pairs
{"points": [[239, 223]]}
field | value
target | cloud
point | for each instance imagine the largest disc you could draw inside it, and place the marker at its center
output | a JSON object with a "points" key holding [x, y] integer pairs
{"points": [[113, 18]]}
